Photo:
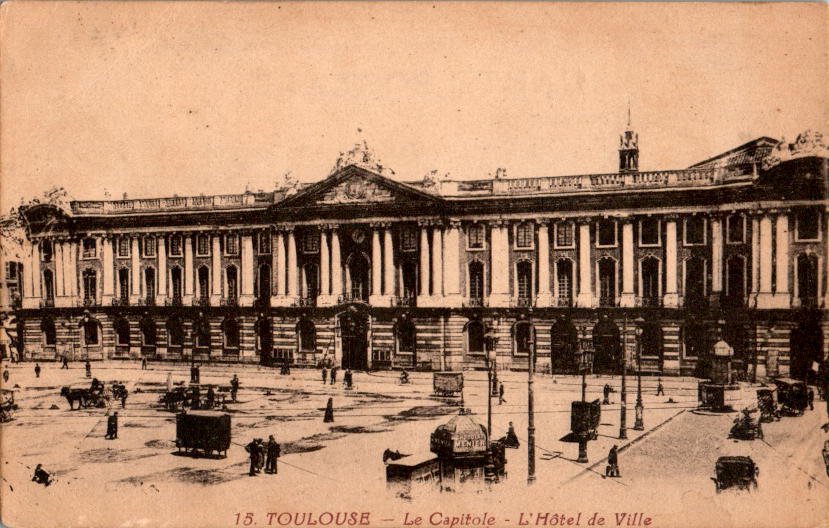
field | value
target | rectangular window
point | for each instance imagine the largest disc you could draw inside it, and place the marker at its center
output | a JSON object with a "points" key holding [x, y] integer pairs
{"points": [[311, 242], [264, 243], [89, 248], [475, 237], [11, 270], [408, 239], [524, 235], [736, 229], [808, 225], [149, 246], [123, 247], [565, 235], [202, 245], [694, 231], [175, 246], [649, 232], [606, 233], [231, 244]]}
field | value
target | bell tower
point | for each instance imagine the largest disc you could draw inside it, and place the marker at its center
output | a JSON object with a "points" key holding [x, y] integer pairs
{"points": [[629, 149]]}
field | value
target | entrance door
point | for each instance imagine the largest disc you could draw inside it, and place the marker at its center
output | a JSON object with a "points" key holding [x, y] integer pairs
{"points": [[607, 344], [354, 337], [805, 347]]}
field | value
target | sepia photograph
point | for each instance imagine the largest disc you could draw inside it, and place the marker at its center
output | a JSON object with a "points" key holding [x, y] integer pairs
{"points": [[414, 264]]}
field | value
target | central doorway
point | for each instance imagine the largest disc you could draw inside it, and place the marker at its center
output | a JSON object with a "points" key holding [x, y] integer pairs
{"points": [[354, 339]]}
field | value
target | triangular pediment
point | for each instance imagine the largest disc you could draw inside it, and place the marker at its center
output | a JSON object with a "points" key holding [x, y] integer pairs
{"points": [[356, 186]]}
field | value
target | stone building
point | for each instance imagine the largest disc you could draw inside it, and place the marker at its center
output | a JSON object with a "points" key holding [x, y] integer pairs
{"points": [[370, 272]]}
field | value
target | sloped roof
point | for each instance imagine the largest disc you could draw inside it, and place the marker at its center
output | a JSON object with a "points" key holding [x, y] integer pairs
{"points": [[752, 152]]}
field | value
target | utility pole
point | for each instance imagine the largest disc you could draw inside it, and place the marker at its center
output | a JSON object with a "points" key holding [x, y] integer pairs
{"points": [[623, 434], [530, 416]]}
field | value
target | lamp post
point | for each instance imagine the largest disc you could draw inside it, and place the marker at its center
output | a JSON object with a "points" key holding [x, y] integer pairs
{"points": [[639, 425], [623, 408], [490, 342], [585, 365], [530, 414]]}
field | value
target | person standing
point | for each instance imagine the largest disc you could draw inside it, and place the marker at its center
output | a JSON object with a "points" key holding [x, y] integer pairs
{"points": [[660, 390], [112, 426], [324, 375], [333, 375], [613, 462], [253, 449], [501, 393], [37, 370], [347, 378], [143, 363], [88, 367], [211, 397], [606, 392], [272, 455], [123, 395], [329, 411], [64, 363], [234, 387]]}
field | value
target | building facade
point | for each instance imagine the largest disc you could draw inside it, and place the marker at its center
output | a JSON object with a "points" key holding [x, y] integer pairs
{"points": [[369, 272]]}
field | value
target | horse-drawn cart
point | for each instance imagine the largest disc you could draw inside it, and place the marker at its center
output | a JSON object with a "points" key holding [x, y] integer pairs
{"points": [[203, 432], [736, 471]]}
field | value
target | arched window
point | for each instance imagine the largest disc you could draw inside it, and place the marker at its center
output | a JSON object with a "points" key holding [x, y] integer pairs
{"points": [[149, 284], [264, 336], [90, 285], [47, 326], [148, 332], [475, 337], [650, 281], [607, 282], [48, 285], [735, 285], [306, 335], [405, 336], [524, 279], [564, 278], [175, 283], [522, 337], [230, 329], [91, 332], [476, 280], [122, 332], [694, 282], [232, 281], [807, 278], [175, 332], [204, 282], [564, 347]]}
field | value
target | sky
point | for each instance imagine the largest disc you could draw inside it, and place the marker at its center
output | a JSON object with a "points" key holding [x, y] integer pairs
{"points": [[158, 98]]}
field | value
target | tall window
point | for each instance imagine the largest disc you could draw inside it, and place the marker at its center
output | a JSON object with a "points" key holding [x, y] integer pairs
{"points": [[307, 335], [808, 224], [175, 282], [522, 335], [264, 243], [475, 337], [311, 281], [607, 282], [694, 230], [606, 233], [88, 248], [524, 235], [264, 335], [201, 333], [807, 277], [476, 280], [475, 236], [48, 285], [11, 271], [90, 332], [90, 285], [263, 282], [47, 326], [123, 246], [649, 232], [564, 276], [231, 244], [230, 328], [694, 339], [564, 235], [524, 275], [735, 280], [232, 282], [149, 246], [123, 283], [148, 332], [46, 251], [736, 229], [650, 278], [202, 245], [122, 332], [175, 332], [409, 271], [406, 336], [358, 275], [204, 282], [408, 239], [149, 283], [311, 242], [175, 245]]}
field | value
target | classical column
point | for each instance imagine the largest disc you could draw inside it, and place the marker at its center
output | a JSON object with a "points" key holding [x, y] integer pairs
{"points": [[29, 300], [452, 265], [57, 247], [671, 298], [782, 297], [500, 296], [765, 297], [247, 265], [628, 298], [336, 267], [376, 266], [324, 297], [216, 269], [388, 263], [437, 261], [293, 281], [37, 279], [423, 298], [70, 263], [279, 268], [825, 237], [161, 259], [716, 260], [755, 260], [545, 295], [188, 270], [135, 271], [585, 298], [108, 264]]}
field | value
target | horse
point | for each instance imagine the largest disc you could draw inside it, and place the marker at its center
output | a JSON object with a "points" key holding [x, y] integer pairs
{"points": [[75, 395]]}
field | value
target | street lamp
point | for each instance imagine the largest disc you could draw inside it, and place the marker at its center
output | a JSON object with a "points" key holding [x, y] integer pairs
{"points": [[531, 411], [640, 409], [490, 342], [585, 365], [623, 408]]}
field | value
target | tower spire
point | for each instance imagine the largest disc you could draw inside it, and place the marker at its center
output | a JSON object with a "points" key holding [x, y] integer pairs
{"points": [[629, 148], [628, 112]]}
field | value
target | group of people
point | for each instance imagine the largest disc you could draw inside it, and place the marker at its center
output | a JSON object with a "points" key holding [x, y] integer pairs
{"points": [[348, 378], [263, 454]]}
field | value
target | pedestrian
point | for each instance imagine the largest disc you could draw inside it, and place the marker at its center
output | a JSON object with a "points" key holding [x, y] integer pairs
{"points": [[511, 440], [501, 394], [112, 426], [123, 394], [348, 379], [612, 469], [6, 375], [169, 382], [234, 387], [272, 455], [37, 370], [211, 397], [64, 363], [253, 449], [660, 390], [41, 476], [329, 411], [333, 375], [324, 375], [143, 363], [811, 398], [88, 367], [195, 398], [606, 392]]}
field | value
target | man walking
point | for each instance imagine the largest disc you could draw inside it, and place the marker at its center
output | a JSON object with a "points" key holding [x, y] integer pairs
{"points": [[333, 375], [613, 463], [253, 449], [272, 455], [234, 387], [660, 390], [324, 375], [64, 363], [143, 363], [112, 426], [37, 370], [501, 393]]}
